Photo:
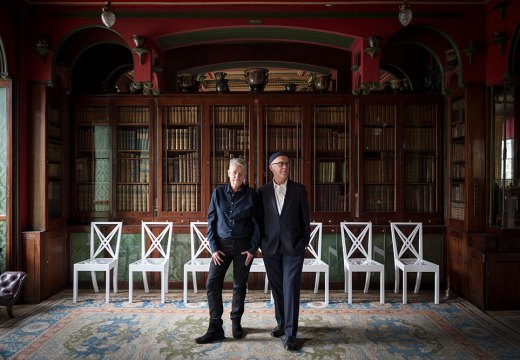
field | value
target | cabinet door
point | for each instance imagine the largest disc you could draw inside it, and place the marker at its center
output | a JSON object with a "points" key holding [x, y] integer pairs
{"points": [[330, 158], [181, 158], [93, 161], [420, 159], [282, 131], [378, 157], [133, 190], [230, 138]]}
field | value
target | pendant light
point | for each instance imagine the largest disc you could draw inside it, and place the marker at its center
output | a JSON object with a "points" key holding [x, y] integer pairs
{"points": [[405, 13], [108, 17]]}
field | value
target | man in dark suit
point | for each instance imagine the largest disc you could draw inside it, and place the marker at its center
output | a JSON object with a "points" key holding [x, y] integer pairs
{"points": [[286, 234]]}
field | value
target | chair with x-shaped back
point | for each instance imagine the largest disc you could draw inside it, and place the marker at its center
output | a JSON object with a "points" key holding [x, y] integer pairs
{"points": [[104, 257], [356, 238], [408, 258], [155, 255]]}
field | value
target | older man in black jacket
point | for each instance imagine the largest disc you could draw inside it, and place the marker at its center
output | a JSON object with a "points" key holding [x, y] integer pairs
{"points": [[286, 234]]}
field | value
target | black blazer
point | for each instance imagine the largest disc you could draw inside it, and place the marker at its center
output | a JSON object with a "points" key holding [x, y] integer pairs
{"points": [[291, 229]]}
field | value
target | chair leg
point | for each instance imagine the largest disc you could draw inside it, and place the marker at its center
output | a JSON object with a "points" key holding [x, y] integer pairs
{"points": [[396, 277], [317, 283], [145, 282], [405, 284], [327, 287], [345, 271], [166, 286], [367, 281], [75, 287], [185, 287], [266, 284], [194, 279], [9, 309], [163, 287], [436, 287], [107, 286], [382, 287], [130, 285], [349, 287], [94, 281], [417, 283], [114, 280]]}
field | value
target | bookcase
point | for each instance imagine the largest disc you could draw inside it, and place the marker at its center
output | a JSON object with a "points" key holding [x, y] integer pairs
{"points": [[180, 158], [370, 158], [331, 158], [93, 175]]}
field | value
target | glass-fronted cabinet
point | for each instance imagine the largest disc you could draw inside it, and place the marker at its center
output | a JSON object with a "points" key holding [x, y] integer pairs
{"points": [[505, 194]]}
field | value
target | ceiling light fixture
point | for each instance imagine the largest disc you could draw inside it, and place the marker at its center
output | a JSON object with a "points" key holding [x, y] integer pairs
{"points": [[108, 17], [405, 13]]}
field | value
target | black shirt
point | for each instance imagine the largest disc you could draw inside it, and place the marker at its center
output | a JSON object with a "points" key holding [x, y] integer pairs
{"points": [[234, 215]]}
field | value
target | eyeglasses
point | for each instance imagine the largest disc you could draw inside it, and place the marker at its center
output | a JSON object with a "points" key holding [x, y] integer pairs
{"points": [[282, 163]]}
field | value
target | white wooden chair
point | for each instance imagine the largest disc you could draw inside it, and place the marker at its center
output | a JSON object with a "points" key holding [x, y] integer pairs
{"points": [[258, 266], [356, 238], [408, 258], [315, 263], [155, 255], [199, 243], [197, 263], [104, 233]]}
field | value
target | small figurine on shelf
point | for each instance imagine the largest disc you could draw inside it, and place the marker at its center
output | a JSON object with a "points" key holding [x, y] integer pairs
{"points": [[221, 85]]}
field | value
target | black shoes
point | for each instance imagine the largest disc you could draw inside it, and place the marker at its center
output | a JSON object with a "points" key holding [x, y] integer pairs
{"points": [[211, 336], [238, 332], [290, 343], [277, 331]]}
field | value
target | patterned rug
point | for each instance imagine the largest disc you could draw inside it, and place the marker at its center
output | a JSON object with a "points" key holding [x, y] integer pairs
{"points": [[145, 329]]}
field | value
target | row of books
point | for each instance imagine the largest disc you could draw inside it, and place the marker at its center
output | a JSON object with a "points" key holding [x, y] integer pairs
{"points": [[133, 139], [231, 139], [419, 168], [133, 197], [420, 139], [457, 211], [182, 168], [379, 198], [457, 152], [329, 140], [133, 169], [92, 115], [420, 198], [329, 115], [379, 171], [93, 197], [379, 138], [230, 115], [457, 192], [54, 170], [133, 115], [54, 131], [458, 171], [181, 198], [279, 115], [181, 114], [185, 138], [379, 115], [93, 170], [331, 172], [458, 130], [284, 138], [330, 198], [420, 115], [54, 151], [93, 138]]}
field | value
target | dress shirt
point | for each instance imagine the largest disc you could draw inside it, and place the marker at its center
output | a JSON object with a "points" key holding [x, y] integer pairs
{"points": [[234, 216], [279, 193]]}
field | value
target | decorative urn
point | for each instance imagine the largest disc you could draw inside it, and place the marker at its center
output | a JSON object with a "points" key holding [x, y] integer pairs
{"points": [[321, 82], [256, 78], [221, 85], [187, 82]]}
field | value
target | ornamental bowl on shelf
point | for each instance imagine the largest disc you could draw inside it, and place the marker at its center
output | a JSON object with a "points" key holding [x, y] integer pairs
{"points": [[187, 82], [256, 78], [290, 87], [321, 82]]}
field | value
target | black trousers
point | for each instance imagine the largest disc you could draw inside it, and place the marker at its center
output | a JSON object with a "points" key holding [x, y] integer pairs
{"points": [[217, 273]]}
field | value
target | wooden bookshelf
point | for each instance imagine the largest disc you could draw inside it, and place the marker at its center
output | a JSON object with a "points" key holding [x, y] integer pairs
{"points": [[331, 158], [93, 160], [457, 159]]}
